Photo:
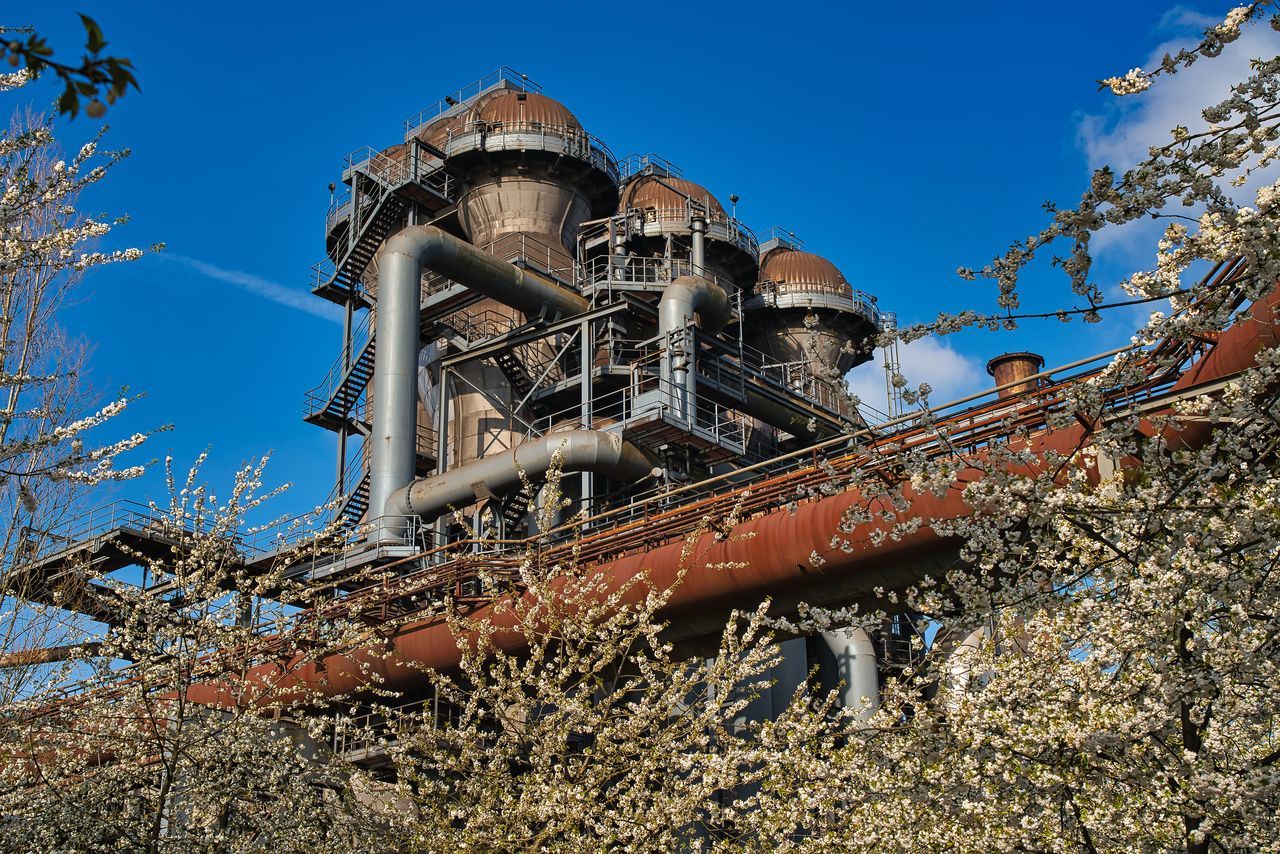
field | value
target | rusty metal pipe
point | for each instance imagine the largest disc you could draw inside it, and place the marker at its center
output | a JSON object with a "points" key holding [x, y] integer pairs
{"points": [[767, 555]]}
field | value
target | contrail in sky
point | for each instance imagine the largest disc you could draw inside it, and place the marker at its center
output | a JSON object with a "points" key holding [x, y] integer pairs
{"points": [[265, 288]]}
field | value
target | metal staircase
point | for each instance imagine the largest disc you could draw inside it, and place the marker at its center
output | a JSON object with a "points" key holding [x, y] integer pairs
{"points": [[382, 188], [515, 507], [515, 372], [352, 510], [387, 211], [332, 405]]}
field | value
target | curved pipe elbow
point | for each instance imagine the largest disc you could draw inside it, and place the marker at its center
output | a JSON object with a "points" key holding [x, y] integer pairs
{"points": [[690, 295], [571, 451], [468, 265], [422, 243]]}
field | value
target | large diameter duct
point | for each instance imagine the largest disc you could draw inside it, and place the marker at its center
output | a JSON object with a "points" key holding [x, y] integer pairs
{"points": [[768, 554], [571, 451], [395, 372], [681, 300], [394, 436], [690, 295], [508, 284], [854, 665]]}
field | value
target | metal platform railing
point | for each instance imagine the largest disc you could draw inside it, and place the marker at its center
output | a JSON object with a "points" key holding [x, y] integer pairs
{"points": [[319, 398], [720, 226], [567, 140], [859, 302], [391, 170], [643, 400], [635, 164], [782, 235], [638, 273], [97, 522], [517, 248], [474, 326], [492, 80]]}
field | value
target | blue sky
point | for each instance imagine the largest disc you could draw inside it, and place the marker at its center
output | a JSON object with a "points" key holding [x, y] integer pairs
{"points": [[900, 144]]}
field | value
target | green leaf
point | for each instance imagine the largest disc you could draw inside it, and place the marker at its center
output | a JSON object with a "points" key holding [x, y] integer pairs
{"points": [[69, 103], [94, 39]]}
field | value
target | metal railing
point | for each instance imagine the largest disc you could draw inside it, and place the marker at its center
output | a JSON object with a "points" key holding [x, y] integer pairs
{"points": [[523, 135], [389, 169], [855, 300], [528, 250], [634, 164], [317, 399], [493, 79], [98, 521], [720, 226], [162, 524], [642, 273], [515, 248], [645, 398], [475, 326], [777, 232]]}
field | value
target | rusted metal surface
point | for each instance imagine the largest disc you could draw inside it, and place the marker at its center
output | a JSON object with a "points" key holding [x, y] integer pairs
{"points": [[525, 108], [1012, 370], [46, 655], [792, 269], [668, 193], [785, 520]]}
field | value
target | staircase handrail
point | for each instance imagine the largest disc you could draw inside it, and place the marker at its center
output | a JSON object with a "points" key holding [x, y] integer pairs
{"points": [[317, 399]]}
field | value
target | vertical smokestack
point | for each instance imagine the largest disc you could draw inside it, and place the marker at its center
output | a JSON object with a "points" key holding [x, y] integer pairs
{"points": [[1012, 367]]}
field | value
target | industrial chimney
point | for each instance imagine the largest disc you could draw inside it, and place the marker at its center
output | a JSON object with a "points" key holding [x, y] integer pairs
{"points": [[1012, 367]]}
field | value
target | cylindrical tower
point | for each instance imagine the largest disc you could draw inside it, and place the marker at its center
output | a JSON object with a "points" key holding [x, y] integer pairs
{"points": [[529, 176], [529, 169], [666, 216], [810, 315], [1013, 367]]}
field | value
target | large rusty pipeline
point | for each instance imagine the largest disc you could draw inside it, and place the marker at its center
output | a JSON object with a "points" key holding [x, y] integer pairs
{"points": [[767, 555]]}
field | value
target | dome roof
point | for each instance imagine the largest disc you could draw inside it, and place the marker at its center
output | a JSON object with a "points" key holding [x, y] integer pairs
{"points": [[793, 267], [436, 133], [521, 107], [653, 191]]}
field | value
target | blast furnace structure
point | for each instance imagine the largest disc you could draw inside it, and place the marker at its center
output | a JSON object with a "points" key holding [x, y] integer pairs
{"points": [[518, 301], [514, 292]]}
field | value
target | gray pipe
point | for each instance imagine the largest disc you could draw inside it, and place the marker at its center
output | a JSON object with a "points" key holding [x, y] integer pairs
{"points": [[698, 253], [855, 669], [508, 284], [572, 451], [395, 378], [681, 300], [400, 264]]}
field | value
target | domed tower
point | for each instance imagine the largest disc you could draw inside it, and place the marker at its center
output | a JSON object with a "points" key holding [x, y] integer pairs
{"points": [[527, 168], [663, 215], [528, 176], [809, 314]]}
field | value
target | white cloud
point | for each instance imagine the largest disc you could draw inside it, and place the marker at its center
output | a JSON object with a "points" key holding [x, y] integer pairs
{"points": [[926, 360], [265, 288], [1121, 136]]}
